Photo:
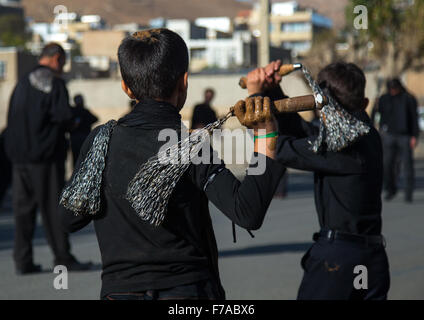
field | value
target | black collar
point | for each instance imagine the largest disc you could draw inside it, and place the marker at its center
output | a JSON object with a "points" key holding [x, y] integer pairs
{"points": [[152, 114]]}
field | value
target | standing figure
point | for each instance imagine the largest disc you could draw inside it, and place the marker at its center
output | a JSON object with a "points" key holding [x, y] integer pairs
{"points": [[83, 120], [347, 187], [177, 259], [203, 114], [39, 115], [399, 131]]}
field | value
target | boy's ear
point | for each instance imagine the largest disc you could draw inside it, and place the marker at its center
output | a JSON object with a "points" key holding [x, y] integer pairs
{"points": [[185, 81], [127, 90], [366, 103]]}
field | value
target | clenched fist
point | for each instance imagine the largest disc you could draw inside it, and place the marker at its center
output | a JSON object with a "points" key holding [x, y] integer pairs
{"points": [[255, 113]]}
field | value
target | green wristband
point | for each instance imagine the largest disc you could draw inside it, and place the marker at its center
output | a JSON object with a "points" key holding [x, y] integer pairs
{"points": [[269, 135]]}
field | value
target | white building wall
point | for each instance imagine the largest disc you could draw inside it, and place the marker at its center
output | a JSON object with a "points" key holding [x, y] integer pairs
{"points": [[222, 24], [181, 27]]}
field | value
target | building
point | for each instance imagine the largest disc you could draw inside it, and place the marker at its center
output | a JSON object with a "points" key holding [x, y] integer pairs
{"points": [[10, 3], [11, 7], [215, 44], [129, 27], [67, 28], [291, 26], [99, 53]]}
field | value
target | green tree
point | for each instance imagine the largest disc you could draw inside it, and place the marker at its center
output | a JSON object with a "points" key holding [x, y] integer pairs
{"points": [[13, 31], [395, 34]]}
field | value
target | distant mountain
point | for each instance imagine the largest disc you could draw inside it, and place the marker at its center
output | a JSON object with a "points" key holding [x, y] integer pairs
{"points": [[140, 11]]}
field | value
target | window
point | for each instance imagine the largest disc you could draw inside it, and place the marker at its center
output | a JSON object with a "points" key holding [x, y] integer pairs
{"points": [[198, 53], [296, 27], [2, 70]]}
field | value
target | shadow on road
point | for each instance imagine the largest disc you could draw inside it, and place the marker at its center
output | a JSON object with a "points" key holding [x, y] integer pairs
{"points": [[267, 249]]}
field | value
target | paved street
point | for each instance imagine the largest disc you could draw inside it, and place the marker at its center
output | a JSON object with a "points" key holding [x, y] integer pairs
{"points": [[266, 267]]}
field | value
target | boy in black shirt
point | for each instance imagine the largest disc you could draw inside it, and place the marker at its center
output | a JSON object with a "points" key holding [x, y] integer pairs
{"points": [[348, 188], [179, 258]]}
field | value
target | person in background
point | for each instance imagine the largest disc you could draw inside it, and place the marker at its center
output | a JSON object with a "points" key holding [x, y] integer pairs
{"points": [[83, 120], [203, 114], [399, 131], [39, 115]]}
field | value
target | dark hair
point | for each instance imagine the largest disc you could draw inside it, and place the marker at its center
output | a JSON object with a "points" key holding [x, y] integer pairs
{"points": [[345, 83], [394, 84], [210, 90], [152, 61], [51, 49], [79, 100]]}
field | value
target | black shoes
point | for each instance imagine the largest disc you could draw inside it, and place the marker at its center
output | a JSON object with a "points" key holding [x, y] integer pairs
{"points": [[29, 269], [389, 196], [408, 198]]}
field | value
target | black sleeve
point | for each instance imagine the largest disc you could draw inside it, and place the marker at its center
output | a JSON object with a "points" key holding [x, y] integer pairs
{"points": [[296, 153], [413, 111], [245, 203], [60, 111], [71, 222]]}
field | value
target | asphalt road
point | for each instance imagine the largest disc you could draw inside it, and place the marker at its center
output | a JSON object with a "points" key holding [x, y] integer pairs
{"points": [[266, 267]]}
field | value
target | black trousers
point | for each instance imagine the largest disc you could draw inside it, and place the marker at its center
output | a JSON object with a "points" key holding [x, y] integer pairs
{"points": [[329, 271], [38, 186], [395, 148]]}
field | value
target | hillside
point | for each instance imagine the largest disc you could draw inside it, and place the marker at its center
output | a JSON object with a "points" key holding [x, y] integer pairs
{"points": [[140, 11]]}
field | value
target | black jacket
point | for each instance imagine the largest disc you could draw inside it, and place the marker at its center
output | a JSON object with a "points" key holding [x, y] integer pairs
{"points": [[203, 114], [347, 184], [39, 114], [137, 256], [398, 114]]}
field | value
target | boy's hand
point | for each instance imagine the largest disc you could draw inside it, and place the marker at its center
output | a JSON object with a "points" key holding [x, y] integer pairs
{"points": [[273, 77], [255, 113], [256, 80], [262, 79]]}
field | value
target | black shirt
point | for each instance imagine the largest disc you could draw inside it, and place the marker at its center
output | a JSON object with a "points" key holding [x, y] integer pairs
{"points": [[347, 184], [203, 114], [137, 256], [84, 119], [398, 114], [39, 113]]}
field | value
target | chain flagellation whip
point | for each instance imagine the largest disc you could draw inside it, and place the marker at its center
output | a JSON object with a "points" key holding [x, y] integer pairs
{"points": [[338, 128], [150, 190]]}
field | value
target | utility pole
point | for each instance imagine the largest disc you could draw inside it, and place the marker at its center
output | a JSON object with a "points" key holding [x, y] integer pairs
{"points": [[263, 44]]}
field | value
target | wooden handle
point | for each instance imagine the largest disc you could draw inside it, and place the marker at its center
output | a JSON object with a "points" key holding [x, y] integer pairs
{"points": [[295, 104], [285, 69], [298, 104]]}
